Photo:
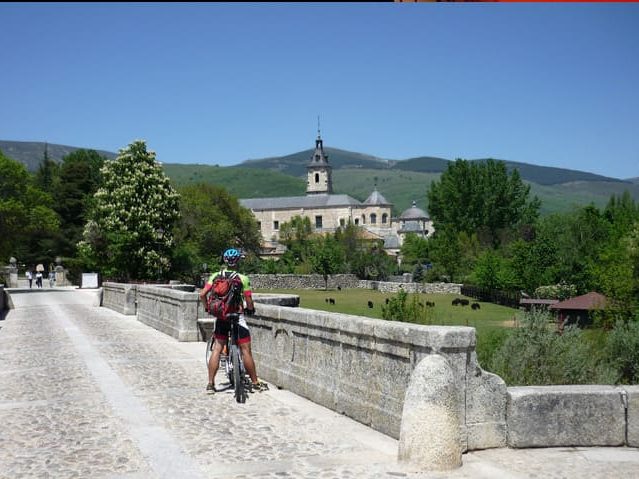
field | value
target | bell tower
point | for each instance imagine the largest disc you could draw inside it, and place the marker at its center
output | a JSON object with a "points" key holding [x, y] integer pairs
{"points": [[319, 180]]}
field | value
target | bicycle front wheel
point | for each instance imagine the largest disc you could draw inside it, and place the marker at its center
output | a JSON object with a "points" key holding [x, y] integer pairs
{"points": [[238, 383]]}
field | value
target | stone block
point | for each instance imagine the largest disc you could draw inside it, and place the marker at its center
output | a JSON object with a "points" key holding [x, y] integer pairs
{"points": [[552, 416], [632, 435], [430, 438]]}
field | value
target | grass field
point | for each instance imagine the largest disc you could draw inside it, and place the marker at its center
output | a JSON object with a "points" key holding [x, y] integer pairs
{"points": [[355, 301]]}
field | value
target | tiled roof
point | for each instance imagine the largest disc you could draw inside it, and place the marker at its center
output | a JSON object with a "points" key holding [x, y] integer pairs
{"points": [[376, 198], [585, 302], [309, 201]]}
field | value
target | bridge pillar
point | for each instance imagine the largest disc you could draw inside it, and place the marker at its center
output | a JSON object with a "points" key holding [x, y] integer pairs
{"points": [[430, 435]]}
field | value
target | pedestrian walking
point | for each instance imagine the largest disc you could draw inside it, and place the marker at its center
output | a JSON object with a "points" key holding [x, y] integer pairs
{"points": [[29, 277], [39, 279], [51, 279]]}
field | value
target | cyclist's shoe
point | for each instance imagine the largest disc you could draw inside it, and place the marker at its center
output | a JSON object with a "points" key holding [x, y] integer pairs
{"points": [[210, 389], [259, 386]]}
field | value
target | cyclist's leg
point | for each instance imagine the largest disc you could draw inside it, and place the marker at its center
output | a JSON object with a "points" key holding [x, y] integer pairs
{"points": [[220, 333]]}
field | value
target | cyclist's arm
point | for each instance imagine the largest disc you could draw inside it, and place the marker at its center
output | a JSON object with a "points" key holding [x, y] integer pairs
{"points": [[248, 295]]}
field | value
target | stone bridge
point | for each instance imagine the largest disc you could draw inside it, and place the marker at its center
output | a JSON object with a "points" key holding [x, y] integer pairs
{"points": [[90, 391]]}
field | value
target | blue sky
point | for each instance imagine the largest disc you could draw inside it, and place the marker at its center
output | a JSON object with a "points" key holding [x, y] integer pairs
{"points": [[219, 83]]}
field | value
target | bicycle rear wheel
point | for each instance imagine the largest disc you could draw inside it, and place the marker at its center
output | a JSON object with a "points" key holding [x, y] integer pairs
{"points": [[238, 383]]}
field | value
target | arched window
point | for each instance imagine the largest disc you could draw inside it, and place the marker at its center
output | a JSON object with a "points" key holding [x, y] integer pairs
{"points": [[373, 218], [316, 177], [363, 219], [356, 221], [384, 218]]}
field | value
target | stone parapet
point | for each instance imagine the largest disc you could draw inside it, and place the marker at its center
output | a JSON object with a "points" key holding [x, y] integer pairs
{"points": [[169, 310], [361, 367], [552, 416], [120, 297], [632, 401]]}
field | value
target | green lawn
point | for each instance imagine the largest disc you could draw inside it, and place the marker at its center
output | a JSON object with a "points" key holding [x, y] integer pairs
{"points": [[355, 301]]}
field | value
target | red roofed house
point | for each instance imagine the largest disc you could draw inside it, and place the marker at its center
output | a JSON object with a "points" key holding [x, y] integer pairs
{"points": [[577, 310]]}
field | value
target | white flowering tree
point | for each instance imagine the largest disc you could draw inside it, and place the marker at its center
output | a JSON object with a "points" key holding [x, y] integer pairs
{"points": [[129, 230]]}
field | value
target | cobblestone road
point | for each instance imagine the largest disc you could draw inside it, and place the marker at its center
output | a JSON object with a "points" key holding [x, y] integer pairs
{"points": [[87, 392]]}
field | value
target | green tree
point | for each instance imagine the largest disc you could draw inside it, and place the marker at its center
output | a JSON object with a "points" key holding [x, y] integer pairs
{"points": [[481, 198], [47, 175], [212, 220], [79, 178], [26, 217], [326, 257], [414, 250], [296, 235], [453, 254], [129, 232]]}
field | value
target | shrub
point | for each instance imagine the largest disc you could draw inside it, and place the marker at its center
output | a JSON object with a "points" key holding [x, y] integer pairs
{"points": [[622, 352], [534, 354], [406, 308]]}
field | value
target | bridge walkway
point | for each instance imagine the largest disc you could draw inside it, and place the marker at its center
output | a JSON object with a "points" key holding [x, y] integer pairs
{"points": [[88, 392]]}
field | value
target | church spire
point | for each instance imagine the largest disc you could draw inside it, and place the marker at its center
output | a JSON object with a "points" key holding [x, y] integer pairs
{"points": [[319, 171]]}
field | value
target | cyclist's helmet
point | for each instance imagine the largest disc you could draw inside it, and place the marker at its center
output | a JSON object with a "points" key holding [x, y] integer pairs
{"points": [[231, 256]]}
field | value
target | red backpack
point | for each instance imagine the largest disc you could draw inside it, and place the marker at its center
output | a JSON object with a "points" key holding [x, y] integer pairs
{"points": [[226, 295]]}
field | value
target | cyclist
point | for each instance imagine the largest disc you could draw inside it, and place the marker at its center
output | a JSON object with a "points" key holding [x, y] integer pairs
{"points": [[231, 258]]}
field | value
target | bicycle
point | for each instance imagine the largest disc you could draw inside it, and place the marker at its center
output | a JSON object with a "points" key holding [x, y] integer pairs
{"points": [[232, 362]]}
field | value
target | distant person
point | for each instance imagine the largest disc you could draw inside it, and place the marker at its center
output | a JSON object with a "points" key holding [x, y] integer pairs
{"points": [[51, 279], [30, 278], [39, 279]]}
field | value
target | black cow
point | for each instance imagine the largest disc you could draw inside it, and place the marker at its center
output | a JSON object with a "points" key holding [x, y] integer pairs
{"points": [[331, 300], [370, 304], [475, 306]]}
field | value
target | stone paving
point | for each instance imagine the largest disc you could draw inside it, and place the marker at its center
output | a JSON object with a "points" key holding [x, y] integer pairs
{"points": [[88, 392]]}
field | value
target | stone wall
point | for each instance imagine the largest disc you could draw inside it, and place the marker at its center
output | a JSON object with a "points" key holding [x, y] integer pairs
{"points": [[316, 281], [120, 297], [361, 367], [428, 288], [302, 281], [170, 310]]}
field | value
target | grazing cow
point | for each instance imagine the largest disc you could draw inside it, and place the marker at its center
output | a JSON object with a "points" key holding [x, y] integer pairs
{"points": [[456, 301], [326, 299], [370, 304], [464, 302], [387, 300], [339, 288], [430, 304], [331, 300], [475, 306]]}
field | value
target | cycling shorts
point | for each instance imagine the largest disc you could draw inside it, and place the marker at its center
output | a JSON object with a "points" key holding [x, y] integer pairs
{"points": [[222, 328]]}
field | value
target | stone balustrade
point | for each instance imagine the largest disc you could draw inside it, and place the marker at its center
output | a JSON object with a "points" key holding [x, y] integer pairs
{"points": [[302, 281], [363, 368]]}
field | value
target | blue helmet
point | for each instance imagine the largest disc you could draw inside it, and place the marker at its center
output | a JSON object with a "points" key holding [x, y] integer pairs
{"points": [[231, 256]]}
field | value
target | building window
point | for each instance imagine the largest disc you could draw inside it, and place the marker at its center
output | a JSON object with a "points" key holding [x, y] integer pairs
{"points": [[373, 219], [276, 225], [363, 219], [356, 221], [316, 177], [318, 222], [259, 225], [384, 218], [342, 222]]}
